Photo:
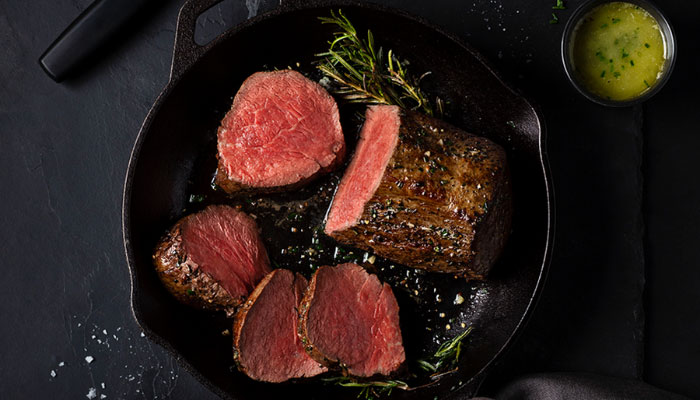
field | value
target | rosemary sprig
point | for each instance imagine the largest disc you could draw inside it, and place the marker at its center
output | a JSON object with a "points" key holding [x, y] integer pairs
{"points": [[365, 74], [369, 390], [447, 355]]}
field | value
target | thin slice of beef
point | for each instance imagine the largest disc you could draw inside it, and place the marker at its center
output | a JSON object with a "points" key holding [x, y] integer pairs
{"points": [[282, 131], [349, 318], [425, 194], [212, 259], [265, 341]]}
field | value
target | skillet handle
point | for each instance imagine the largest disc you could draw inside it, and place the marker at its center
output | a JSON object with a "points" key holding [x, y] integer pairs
{"points": [[186, 51], [288, 5]]}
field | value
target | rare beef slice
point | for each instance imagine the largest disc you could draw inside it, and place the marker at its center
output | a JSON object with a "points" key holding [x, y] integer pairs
{"points": [[265, 341], [348, 318], [282, 131]]}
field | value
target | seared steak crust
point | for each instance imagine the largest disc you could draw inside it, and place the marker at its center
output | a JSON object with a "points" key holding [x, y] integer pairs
{"points": [[212, 259], [443, 204], [185, 280]]}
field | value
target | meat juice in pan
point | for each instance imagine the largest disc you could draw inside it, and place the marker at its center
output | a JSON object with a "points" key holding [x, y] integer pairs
{"points": [[434, 307]]}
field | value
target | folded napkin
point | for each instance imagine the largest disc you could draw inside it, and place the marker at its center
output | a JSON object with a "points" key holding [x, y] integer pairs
{"points": [[572, 386]]}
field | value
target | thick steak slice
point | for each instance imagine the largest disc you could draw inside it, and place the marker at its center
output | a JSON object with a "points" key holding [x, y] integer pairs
{"points": [[265, 341], [423, 193], [212, 259], [348, 317], [282, 130]]}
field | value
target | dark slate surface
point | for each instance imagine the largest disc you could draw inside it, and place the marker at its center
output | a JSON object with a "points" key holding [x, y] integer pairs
{"points": [[672, 194], [64, 150]]}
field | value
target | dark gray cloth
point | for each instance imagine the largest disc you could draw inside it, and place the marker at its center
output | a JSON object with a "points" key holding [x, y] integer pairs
{"points": [[566, 386]]}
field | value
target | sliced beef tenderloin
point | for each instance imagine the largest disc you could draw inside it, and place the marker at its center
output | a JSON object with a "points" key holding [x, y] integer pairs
{"points": [[282, 130], [423, 193], [212, 259], [265, 341], [349, 318]]}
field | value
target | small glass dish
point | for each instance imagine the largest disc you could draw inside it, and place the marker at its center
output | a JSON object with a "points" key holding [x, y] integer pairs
{"points": [[567, 44]]}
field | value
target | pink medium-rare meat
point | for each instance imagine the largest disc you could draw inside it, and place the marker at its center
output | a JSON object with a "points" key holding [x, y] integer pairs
{"points": [[212, 259], [265, 341], [349, 318], [282, 130], [423, 193]]}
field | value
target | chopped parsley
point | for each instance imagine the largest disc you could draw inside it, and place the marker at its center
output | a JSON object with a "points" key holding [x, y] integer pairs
{"points": [[559, 6], [196, 198]]}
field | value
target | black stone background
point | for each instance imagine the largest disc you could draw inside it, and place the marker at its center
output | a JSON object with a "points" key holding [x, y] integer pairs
{"points": [[623, 292]]}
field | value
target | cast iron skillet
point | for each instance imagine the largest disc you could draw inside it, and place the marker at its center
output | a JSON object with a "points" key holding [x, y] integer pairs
{"points": [[173, 159]]}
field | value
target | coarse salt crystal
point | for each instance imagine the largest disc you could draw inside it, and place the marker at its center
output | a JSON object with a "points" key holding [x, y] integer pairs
{"points": [[92, 393], [53, 373], [89, 359]]}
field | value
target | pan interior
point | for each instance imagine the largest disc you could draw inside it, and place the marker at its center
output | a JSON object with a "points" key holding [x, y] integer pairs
{"points": [[175, 165]]}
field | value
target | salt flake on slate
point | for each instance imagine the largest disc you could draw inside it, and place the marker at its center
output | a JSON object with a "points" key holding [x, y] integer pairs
{"points": [[92, 393], [53, 373], [89, 359]]}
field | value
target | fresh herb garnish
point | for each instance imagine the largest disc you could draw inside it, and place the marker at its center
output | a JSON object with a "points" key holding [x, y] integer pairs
{"points": [[366, 74], [196, 198], [554, 19], [616, 20], [370, 389], [446, 356], [559, 6]]}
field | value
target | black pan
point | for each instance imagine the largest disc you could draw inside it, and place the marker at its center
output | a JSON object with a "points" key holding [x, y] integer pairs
{"points": [[173, 158]]}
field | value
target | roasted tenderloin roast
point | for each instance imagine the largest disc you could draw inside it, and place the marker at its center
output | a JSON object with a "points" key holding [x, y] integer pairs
{"points": [[348, 318], [425, 194], [282, 131], [212, 259], [265, 341]]}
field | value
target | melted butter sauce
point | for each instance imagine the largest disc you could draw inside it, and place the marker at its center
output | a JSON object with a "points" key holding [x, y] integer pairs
{"points": [[618, 51]]}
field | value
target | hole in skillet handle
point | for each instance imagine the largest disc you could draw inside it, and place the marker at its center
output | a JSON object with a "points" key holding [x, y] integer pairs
{"points": [[216, 20], [187, 51], [189, 46]]}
